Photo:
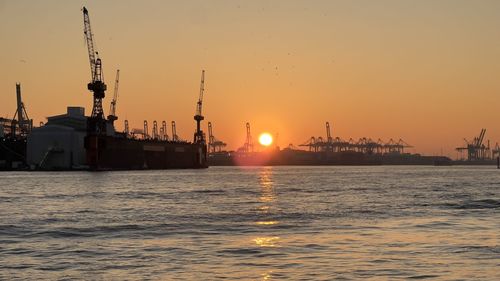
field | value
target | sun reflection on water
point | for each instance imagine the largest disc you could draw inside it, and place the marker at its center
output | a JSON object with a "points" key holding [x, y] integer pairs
{"points": [[266, 222], [266, 276], [267, 185], [267, 241], [267, 195]]}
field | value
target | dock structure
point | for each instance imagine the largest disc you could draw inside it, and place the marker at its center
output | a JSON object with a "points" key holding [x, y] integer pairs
{"points": [[364, 144], [477, 149], [214, 145]]}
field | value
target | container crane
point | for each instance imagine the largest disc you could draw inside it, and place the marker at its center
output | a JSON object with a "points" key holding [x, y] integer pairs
{"points": [[96, 122], [112, 107], [145, 132], [211, 138], [214, 145], [328, 133], [476, 150], [165, 133], [175, 137], [21, 118], [155, 130], [249, 142], [329, 139], [199, 136]]}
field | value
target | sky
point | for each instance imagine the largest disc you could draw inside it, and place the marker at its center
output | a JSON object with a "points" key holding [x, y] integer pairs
{"points": [[424, 71]]}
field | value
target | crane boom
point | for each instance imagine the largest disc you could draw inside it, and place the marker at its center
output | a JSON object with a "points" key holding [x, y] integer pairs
{"points": [[200, 98], [89, 38], [481, 137]]}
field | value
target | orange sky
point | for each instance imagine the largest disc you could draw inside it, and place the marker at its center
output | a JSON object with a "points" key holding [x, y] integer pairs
{"points": [[424, 71]]}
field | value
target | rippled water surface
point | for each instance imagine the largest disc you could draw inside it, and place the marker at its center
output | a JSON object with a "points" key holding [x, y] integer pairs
{"points": [[265, 223]]}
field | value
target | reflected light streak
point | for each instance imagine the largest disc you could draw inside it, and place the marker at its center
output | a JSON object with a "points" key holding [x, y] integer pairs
{"points": [[266, 222], [266, 276], [266, 184], [267, 241]]}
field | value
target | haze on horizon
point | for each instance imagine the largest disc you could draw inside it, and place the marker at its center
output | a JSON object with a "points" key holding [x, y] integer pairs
{"points": [[424, 71]]}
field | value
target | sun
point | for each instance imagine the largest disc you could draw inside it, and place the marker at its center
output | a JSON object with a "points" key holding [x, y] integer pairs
{"points": [[265, 139]]}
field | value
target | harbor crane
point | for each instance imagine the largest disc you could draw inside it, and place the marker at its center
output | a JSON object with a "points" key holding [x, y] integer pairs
{"points": [[112, 107], [329, 139], [20, 125], [145, 132], [165, 133], [476, 150], [96, 122], [21, 119], [249, 142], [175, 137], [199, 136], [154, 133], [214, 145]]}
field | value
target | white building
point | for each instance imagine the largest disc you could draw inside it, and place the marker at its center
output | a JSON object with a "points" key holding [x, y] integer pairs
{"points": [[59, 144]]}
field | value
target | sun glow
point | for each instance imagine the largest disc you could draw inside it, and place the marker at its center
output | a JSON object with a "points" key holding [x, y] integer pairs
{"points": [[265, 139]]}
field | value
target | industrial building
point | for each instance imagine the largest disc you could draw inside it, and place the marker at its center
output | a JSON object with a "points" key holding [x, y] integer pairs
{"points": [[59, 144]]}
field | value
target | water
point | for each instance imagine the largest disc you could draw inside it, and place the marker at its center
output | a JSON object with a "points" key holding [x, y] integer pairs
{"points": [[268, 223]]}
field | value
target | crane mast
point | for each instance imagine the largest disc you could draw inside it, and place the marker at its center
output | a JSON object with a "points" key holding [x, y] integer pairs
{"points": [[199, 136], [96, 122]]}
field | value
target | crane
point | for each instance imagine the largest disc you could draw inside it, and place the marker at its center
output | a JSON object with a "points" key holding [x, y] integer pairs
{"points": [[475, 149], [175, 137], [155, 130], [112, 107], [126, 130], [249, 142], [199, 136], [164, 127], [145, 132], [214, 145], [21, 118], [329, 139], [328, 133], [96, 122], [211, 138]]}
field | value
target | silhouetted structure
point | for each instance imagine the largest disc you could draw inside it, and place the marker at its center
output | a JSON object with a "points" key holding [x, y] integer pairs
{"points": [[214, 145], [363, 145], [476, 150]]}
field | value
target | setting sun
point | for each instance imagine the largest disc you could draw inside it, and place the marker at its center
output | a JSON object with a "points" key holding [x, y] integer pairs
{"points": [[265, 139]]}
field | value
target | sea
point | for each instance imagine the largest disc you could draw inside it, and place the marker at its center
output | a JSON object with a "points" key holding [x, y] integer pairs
{"points": [[252, 223]]}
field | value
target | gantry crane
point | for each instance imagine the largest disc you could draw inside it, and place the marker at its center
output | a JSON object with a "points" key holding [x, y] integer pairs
{"points": [[112, 107], [175, 137], [96, 122], [21, 119], [154, 133], [165, 133], [214, 145], [199, 136], [249, 142], [476, 150], [145, 132], [329, 139]]}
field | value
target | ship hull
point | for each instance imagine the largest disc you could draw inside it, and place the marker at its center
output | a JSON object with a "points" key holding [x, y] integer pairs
{"points": [[306, 158], [12, 154], [115, 153]]}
